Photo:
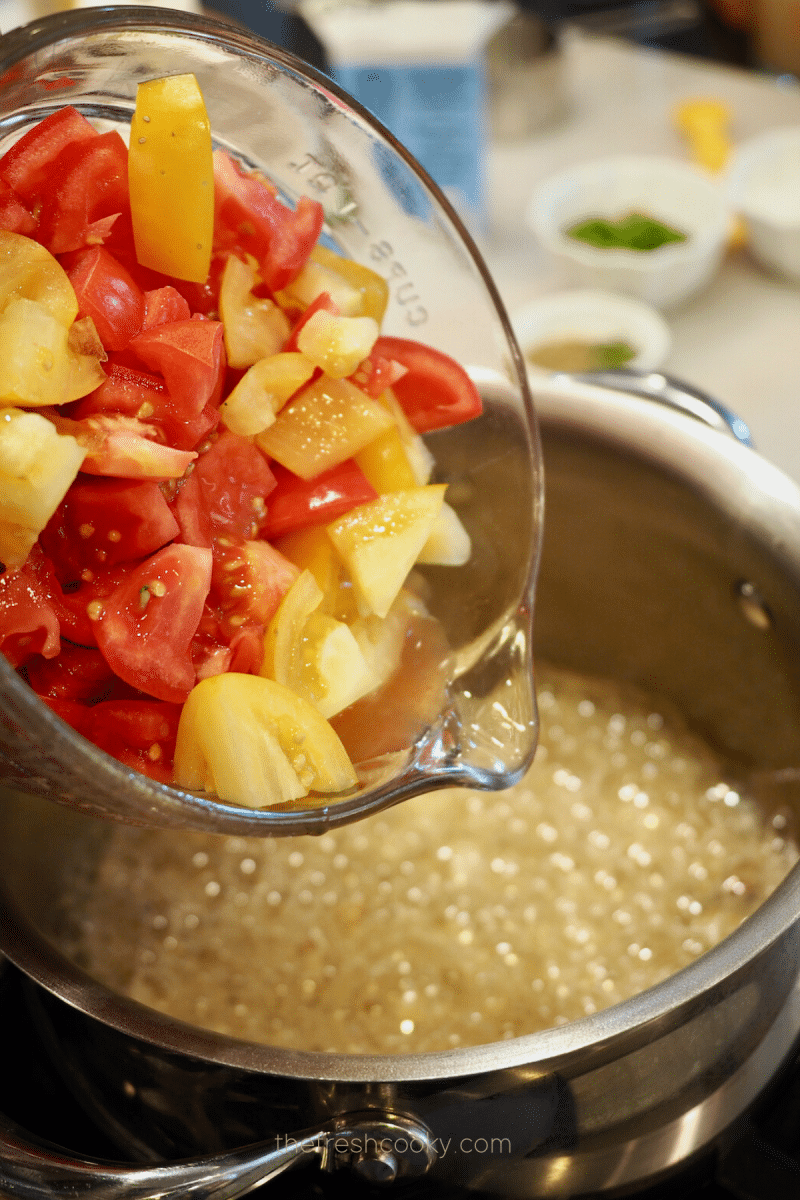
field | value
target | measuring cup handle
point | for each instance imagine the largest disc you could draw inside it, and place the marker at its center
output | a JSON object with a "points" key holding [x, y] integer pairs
{"points": [[369, 1143], [665, 389], [31, 1169]]}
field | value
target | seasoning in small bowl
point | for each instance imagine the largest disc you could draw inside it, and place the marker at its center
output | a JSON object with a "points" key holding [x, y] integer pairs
{"points": [[647, 226], [577, 331]]}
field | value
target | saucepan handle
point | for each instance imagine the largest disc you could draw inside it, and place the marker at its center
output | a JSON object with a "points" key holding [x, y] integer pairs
{"points": [[32, 1169], [676, 393]]}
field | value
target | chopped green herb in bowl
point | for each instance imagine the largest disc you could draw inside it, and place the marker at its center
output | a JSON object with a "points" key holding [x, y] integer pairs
{"points": [[636, 231]]}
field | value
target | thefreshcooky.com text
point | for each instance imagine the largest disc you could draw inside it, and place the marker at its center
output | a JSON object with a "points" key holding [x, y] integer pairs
{"points": [[373, 1145]]}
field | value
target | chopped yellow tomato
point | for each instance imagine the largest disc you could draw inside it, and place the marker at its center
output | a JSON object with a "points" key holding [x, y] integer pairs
{"points": [[263, 390], [385, 463], [171, 178], [314, 654], [328, 422], [29, 272], [251, 741], [380, 542], [312, 550], [337, 344], [37, 465], [38, 365], [254, 328], [355, 290]]}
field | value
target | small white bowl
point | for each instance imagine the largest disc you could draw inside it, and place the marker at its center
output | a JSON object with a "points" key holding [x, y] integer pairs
{"points": [[763, 183], [597, 318], [678, 194]]}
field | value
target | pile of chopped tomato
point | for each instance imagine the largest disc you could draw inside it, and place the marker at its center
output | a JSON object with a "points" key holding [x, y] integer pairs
{"points": [[194, 500]]}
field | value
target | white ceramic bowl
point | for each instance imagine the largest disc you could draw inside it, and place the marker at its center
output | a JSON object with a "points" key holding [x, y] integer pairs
{"points": [[594, 317], [763, 183], [678, 194]]}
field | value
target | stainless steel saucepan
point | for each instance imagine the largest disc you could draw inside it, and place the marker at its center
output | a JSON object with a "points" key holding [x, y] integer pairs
{"points": [[671, 560]]}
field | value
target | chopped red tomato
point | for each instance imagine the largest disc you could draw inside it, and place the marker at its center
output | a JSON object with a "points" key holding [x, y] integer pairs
{"points": [[107, 293], [163, 306], [191, 357], [436, 391], [76, 601], [377, 373], [297, 503], [225, 493], [27, 166], [14, 216], [322, 303], [133, 393], [75, 673], [101, 522], [249, 579], [249, 216], [147, 624], [28, 621], [87, 190], [125, 447], [139, 733]]}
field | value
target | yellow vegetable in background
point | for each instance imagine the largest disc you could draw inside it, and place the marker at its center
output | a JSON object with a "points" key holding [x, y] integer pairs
{"points": [[171, 178]]}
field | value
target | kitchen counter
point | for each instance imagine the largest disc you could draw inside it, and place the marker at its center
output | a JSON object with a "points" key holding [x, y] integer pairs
{"points": [[740, 338]]}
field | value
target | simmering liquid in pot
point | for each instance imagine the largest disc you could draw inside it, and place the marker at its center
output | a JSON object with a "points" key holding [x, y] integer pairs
{"points": [[454, 919]]}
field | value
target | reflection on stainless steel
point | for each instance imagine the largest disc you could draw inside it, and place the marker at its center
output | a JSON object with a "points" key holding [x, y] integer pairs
{"points": [[666, 389]]}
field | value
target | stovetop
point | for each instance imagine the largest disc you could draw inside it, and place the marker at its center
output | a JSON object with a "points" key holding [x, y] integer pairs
{"points": [[762, 1163]]}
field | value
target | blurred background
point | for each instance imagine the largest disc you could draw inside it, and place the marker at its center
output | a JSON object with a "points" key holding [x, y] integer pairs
{"points": [[497, 98]]}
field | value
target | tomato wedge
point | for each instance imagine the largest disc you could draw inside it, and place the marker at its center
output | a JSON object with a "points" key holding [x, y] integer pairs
{"points": [[298, 503], [249, 216], [86, 192], [101, 522], [28, 621], [27, 166], [75, 673], [14, 216], [107, 293], [436, 391], [191, 357], [147, 624], [139, 733]]}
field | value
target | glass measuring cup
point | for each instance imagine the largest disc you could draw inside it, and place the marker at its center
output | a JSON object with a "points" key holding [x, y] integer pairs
{"points": [[275, 113]]}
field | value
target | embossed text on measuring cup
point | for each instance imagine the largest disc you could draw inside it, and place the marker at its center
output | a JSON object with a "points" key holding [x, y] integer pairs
{"points": [[403, 290]]}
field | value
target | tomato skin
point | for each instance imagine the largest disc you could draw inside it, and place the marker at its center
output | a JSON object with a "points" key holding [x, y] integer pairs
{"points": [[298, 503], [27, 165], [250, 217], [190, 355], [87, 191], [436, 390], [28, 621], [102, 522], [107, 293], [145, 633]]}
